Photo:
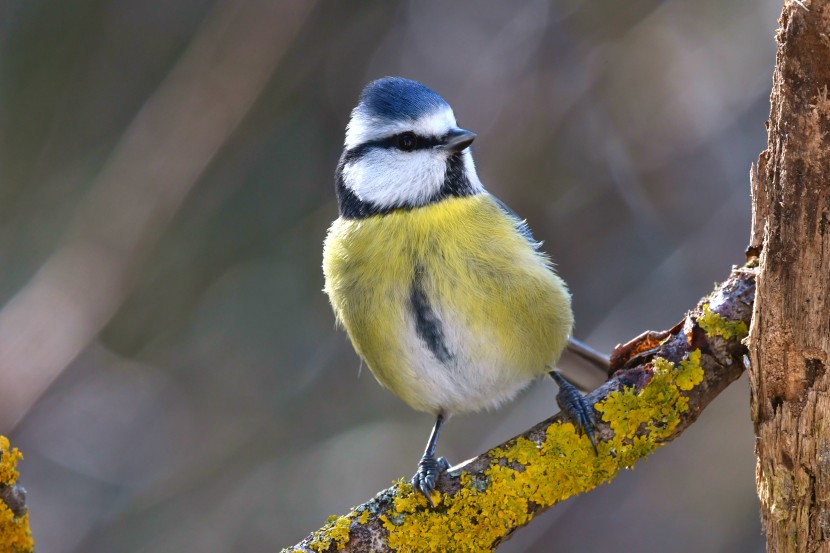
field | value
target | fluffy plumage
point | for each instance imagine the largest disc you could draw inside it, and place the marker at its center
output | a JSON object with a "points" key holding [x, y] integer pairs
{"points": [[504, 315], [438, 284]]}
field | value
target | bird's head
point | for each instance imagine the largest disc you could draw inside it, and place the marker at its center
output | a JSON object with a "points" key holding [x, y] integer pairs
{"points": [[403, 149]]}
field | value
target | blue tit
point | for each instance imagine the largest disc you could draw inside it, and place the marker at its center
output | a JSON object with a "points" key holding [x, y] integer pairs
{"points": [[441, 287]]}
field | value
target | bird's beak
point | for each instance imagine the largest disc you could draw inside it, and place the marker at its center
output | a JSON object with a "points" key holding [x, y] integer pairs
{"points": [[457, 140]]}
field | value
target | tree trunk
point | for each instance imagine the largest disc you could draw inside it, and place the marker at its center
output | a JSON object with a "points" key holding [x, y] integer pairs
{"points": [[789, 341]]}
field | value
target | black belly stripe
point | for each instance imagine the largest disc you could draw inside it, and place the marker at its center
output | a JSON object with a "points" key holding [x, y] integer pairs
{"points": [[427, 324]]}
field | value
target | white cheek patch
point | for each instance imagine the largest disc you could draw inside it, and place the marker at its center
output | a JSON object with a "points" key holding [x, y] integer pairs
{"points": [[363, 128], [390, 178]]}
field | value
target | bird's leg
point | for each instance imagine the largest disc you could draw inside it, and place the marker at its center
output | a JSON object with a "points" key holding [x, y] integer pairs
{"points": [[573, 404], [583, 350], [429, 468]]}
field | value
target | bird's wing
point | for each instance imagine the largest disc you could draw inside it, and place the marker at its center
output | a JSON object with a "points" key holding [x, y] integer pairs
{"points": [[578, 355], [521, 224]]}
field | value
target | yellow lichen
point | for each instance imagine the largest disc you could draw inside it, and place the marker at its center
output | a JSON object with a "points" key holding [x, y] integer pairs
{"points": [[335, 532], [689, 374], [525, 472], [716, 325], [8, 462], [15, 536]]}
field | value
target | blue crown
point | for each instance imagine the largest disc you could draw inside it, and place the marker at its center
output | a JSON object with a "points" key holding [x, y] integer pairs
{"points": [[397, 98]]}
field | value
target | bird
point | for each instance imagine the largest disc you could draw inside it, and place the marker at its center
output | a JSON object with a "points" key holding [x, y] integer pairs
{"points": [[442, 289]]}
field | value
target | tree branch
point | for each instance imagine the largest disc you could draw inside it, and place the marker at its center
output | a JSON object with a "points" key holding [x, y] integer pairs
{"points": [[660, 383]]}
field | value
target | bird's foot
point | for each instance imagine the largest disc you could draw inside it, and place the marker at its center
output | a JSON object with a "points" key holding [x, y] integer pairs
{"points": [[429, 469], [575, 407]]}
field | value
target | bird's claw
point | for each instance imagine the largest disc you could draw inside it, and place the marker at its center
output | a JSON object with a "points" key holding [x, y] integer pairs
{"points": [[573, 404], [429, 469]]}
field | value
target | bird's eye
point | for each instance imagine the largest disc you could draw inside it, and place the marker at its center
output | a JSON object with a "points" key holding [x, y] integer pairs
{"points": [[407, 141]]}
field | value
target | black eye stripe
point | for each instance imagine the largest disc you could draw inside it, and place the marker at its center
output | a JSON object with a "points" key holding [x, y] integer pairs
{"points": [[391, 142], [421, 142]]}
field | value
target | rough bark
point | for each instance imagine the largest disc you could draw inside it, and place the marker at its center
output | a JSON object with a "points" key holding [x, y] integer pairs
{"points": [[660, 383], [789, 340]]}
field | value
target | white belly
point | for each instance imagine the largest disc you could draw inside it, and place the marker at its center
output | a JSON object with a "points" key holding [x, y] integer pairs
{"points": [[473, 377]]}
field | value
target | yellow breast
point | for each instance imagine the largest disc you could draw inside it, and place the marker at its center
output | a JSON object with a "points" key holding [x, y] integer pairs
{"points": [[505, 314]]}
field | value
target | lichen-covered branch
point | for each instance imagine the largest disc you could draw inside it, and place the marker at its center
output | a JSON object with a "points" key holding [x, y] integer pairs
{"points": [[15, 536], [659, 384]]}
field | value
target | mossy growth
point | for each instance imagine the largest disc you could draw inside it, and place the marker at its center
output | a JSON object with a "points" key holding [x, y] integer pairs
{"points": [[526, 473], [15, 536], [714, 324]]}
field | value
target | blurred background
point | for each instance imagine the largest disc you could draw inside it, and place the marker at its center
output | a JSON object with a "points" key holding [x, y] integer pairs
{"points": [[168, 363]]}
